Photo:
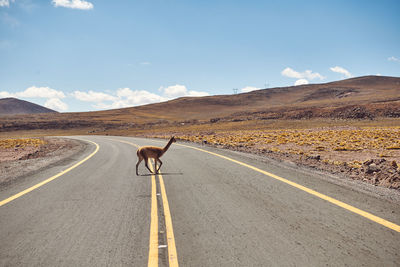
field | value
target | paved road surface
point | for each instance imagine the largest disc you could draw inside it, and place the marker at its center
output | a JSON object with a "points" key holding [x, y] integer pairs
{"points": [[222, 213]]}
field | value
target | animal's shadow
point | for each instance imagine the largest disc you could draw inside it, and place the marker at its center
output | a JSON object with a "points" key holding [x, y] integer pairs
{"points": [[163, 174]]}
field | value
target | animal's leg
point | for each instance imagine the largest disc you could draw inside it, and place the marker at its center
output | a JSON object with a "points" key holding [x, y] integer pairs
{"points": [[147, 166], [137, 165], [160, 165]]}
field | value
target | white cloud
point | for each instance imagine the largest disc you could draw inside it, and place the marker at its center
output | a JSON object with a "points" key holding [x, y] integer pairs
{"points": [[40, 92], [341, 70], [56, 104], [178, 90], [138, 97], [249, 89], [128, 98], [301, 82], [197, 93], [124, 92], [35, 92], [75, 4], [53, 96], [5, 94], [92, 96], [174, 91], [5, 2], [288, 72], [308, 74], [145, 63], [125, 97], [395, 59]]}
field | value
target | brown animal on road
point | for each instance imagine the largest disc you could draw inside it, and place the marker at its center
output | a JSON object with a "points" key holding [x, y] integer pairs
{"points": [[147, 152]]}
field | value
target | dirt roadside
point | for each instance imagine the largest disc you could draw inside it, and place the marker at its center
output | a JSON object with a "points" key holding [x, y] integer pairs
{"points": [[376, 171], [19, 161]]}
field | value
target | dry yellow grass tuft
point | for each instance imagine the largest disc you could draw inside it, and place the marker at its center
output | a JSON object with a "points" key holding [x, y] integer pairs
{"points": [[21, 143], [363, 153], [337, 146]]}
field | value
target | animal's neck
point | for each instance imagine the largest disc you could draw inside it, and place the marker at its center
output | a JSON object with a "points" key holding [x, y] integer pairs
{"points": [[167, 146]]}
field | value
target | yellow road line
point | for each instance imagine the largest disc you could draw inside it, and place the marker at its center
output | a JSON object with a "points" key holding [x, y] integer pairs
{"points": [[153, 242], [126, 142], [26, 191], [172, 256], [153, 250], [336, 202]]}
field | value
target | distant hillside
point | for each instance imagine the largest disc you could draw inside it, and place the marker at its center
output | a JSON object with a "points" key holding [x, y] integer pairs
{"points": [[365, 97], [13, 106], [370, 92], [354, 91]]}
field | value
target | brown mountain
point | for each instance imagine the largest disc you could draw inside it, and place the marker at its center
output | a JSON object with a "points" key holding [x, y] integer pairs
{"points": [[365, 97], [12, 106], [375, 93], [356, 91]]}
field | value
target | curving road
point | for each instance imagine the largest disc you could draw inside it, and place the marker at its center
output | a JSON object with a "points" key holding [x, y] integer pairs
{"points": [[226, 209]]}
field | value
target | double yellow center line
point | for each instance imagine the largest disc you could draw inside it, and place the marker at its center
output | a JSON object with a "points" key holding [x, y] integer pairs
{"points": [[153, 242]]}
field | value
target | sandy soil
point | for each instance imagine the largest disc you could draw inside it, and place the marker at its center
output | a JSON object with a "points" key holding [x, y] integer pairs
{"points": [[18, 162], [378, 172]]}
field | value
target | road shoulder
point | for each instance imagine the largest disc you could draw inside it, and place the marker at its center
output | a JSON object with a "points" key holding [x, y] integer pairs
{"points": [[62, 151]]}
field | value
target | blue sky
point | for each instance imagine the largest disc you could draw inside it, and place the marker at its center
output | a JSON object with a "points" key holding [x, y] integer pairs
{"points": [[75, 55]]}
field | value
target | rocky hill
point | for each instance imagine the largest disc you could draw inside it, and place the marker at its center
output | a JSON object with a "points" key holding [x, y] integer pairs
{"points": [[13, 106]]}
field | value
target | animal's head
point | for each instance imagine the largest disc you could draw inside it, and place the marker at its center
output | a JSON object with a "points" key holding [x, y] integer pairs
{"points": [[173, 139]]}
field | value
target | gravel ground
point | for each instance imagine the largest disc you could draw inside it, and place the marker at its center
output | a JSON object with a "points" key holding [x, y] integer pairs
{"points": [[27, 161]]}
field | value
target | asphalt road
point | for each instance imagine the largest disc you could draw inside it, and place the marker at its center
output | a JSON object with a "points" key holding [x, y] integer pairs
{"points": [[223, 213]]}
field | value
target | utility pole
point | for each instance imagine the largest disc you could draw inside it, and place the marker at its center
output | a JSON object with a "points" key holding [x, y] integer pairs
{"points": [[235, 90]]}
